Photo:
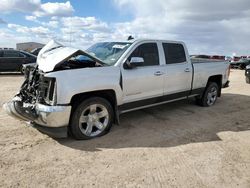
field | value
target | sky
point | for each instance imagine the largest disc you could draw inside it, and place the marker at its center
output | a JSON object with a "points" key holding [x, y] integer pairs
{"points": [[207, 27]]}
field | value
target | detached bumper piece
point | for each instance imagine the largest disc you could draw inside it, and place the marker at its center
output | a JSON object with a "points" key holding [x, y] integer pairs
{"points": [[51, 120], [226, 84]]}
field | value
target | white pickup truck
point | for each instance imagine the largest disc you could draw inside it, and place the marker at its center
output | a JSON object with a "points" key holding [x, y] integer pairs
{"points": [[84, 92]]}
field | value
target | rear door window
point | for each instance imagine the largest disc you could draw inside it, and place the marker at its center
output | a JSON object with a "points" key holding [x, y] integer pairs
{"points": [[174, 53], [149, 52], [11, 54]]}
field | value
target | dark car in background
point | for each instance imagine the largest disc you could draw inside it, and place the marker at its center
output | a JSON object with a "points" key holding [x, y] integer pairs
{"points": [[12, 60], [247, 74], [241, 64]]}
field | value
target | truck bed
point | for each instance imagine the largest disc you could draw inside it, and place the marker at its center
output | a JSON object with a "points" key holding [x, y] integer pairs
{"points": [[204, 68]]}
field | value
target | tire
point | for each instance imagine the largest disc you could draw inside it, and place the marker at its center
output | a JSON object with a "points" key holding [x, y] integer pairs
{"points": [[22, 70], [92, 118], [209, 96], [248, 80], [242, 67]]}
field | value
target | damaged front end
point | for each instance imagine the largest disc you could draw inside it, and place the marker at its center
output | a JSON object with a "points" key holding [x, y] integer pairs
{"points": [[36, 103], [22, 105]]}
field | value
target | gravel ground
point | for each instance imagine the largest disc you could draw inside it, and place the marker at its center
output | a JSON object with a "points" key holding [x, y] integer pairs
{"points": [[173, 145]]}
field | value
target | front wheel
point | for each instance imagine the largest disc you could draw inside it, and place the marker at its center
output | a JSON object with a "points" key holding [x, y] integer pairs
{"points": [[210, 95], [91, 118]]}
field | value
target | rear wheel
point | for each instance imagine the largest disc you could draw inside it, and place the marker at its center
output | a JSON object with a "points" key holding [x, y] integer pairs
{"points": [[210, 95], [91, 118], [22, 70]]}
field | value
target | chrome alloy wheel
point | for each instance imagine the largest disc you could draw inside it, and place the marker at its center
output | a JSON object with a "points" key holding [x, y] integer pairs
{"points": [[93, 120], [212, 96]]}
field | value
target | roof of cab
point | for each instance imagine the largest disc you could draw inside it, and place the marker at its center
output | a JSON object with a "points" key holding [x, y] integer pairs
{"points": [[145, 39]]}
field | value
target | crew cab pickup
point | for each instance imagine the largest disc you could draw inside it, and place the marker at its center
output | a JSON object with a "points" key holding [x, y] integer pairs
{"points": [[82, 93]]}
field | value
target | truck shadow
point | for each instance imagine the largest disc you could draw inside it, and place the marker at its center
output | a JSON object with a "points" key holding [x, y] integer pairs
{"points": [[173, 124]]}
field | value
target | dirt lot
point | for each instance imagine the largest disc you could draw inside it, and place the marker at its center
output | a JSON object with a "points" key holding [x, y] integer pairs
{"points": [[174, 145]]}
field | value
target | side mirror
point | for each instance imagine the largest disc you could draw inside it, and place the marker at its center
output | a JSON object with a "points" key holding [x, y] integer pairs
{"points": [[134, 62]]}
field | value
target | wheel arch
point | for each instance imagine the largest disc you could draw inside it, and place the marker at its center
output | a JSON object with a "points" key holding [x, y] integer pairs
{"points": [[218, 80], [108, 94]]}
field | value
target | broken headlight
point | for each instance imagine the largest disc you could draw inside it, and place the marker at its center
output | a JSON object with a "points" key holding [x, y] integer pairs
{"points": [[47, 90]]}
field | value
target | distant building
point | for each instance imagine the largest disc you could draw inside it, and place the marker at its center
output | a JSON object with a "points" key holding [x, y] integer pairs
{"points": [[28, 46]]}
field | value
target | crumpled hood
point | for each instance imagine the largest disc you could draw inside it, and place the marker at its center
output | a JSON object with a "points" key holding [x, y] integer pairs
{"points": [[54, 53]]}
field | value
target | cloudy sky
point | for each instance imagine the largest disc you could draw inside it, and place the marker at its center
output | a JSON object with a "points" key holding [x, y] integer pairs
{"points": [[207, 27]]}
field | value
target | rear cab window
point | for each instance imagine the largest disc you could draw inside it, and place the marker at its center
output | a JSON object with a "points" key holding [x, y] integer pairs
{"points": [[174, 53], [149, 52]]}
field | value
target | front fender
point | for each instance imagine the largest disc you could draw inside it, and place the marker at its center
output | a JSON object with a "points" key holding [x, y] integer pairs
{"points": [[75, 81]]}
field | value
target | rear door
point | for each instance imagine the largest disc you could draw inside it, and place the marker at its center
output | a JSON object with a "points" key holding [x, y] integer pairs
{"points": [[178, 76], [12, 60], [145, 81]]}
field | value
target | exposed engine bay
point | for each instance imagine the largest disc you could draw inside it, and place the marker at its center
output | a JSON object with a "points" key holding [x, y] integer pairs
{"points": [[76, 62], [55, 57], [35, 85], [39, 89], [34, 90]]}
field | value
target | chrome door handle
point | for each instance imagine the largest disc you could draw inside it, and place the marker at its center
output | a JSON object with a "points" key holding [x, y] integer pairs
{"points": [[158, 73], [187, 70]]}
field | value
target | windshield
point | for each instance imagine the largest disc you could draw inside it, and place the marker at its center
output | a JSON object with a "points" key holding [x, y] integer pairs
{"points": [[108, 52]]}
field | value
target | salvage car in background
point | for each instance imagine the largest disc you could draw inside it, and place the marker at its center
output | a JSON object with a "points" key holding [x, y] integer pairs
{"points": [[241, 64], [13, 60], [247, 74]]}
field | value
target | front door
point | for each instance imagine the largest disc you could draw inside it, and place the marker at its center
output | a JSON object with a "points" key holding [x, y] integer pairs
{"points": [[144, 82]]}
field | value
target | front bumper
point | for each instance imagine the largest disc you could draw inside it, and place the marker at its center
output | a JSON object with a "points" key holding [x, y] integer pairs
{"points": [[52, 120]]}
